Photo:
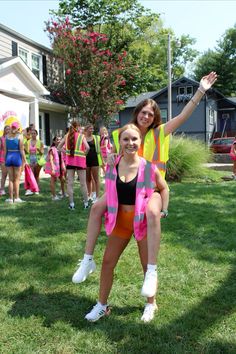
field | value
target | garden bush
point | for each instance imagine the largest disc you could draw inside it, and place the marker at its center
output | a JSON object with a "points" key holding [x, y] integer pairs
{"points": [[186, 158]]}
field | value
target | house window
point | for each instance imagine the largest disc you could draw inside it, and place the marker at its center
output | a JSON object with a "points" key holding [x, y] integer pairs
{"points": [[24, 54], [185, 90], [189, 90], [181, 90], [164, 115], [34, 62]]}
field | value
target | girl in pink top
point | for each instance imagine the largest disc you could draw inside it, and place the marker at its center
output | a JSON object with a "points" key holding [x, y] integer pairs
{"points": [[76, 147]]}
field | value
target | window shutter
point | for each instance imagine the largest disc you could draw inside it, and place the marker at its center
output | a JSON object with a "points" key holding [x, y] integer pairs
{"points": [[14, 48], [47, 129], [45, 78]]}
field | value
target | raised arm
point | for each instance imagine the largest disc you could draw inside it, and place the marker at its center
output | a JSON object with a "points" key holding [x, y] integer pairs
{"points": [[61, 144], [205, 83]]}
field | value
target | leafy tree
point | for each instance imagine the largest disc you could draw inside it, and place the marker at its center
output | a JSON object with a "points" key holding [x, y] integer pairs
{"points": [[221, 60], [131, 27], [97, 81]]}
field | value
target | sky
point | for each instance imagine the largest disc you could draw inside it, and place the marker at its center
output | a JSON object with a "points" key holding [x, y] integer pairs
{"points": [[205, 20]]}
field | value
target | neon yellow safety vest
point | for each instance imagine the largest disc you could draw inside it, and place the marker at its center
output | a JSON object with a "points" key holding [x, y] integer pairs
{"points": [[38, 146], [155, 147], [97, 148]]}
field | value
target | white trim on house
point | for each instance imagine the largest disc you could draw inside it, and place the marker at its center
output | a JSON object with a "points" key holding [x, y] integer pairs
{"points": [[37, 87]]}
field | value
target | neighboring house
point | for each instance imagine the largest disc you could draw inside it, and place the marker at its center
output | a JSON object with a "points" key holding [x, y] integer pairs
{"points": [[27, 69], [214, 116]]}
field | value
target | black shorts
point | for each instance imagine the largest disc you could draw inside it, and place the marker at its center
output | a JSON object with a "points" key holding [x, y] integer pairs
{"points": [[70, 167], [92, 160]]}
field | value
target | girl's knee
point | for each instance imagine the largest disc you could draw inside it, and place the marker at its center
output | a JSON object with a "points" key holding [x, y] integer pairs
{"points": [[153, 213]]}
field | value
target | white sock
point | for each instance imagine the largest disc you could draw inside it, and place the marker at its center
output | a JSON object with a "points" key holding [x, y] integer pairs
{"points": [[103, 306], [88, 257], [152, 267]]}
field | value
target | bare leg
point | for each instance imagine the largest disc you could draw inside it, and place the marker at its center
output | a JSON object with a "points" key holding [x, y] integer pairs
{"points": [[115, 247], [94, 224], [95, 176], [62, 181], [153, 227], [89, 180], [11, 180], [234, 168], [16, 182], [83, 184], [143, 254], [70, 185], [37, 170], [52, 186], [4, 177]]}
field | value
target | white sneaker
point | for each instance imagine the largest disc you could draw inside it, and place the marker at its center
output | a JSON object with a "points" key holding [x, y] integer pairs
{"points": [[86, 267], [36, 193], [94, 200], [149, 311], [93, 196], [56, 198], [10, 201], [2, 192], [150, 284], [86, 205], [28, 192], [18, 200], [97, 312]]}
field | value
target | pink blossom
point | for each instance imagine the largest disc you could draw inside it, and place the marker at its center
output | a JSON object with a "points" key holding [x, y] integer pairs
{"points": [[68, 71], [119, 102], [84, 94], [123, 83]]}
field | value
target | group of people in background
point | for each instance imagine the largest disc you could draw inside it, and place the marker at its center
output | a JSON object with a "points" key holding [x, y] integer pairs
{"points": [[80, 152]]}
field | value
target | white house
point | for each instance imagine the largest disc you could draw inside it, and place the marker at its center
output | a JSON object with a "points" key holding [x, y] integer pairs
{"points": [[26, 71]]}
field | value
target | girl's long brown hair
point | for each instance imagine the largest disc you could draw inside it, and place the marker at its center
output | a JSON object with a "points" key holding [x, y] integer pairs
{"points": [[157, 113], [71, 137]]}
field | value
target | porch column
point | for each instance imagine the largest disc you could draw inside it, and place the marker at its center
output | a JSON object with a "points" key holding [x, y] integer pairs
{"points": [[34, 114]]}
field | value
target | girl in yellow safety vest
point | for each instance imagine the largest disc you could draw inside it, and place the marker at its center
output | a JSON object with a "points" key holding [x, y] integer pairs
{"points": [[154, 148], [93, 161], [34, 150]]}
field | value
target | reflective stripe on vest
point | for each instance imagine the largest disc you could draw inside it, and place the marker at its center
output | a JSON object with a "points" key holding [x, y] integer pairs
{"points": [[78, 144], [147, 182], [97, 148]]}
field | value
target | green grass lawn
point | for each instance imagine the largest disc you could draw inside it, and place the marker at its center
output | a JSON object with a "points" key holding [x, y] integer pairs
{"points": [[41, 311]]}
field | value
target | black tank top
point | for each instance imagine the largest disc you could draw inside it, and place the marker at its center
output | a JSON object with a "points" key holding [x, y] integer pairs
{"points": [[126, 191]]}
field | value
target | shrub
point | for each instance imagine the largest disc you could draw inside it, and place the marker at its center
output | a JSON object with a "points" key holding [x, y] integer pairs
{"points": [[186, 158]]}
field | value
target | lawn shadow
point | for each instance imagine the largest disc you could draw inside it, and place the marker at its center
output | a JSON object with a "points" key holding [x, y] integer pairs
{"points": [[131, 335]]}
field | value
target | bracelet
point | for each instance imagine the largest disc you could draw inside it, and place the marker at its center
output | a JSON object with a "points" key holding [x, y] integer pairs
{"points": [[194, 102], [201, 90], [165, 213]]}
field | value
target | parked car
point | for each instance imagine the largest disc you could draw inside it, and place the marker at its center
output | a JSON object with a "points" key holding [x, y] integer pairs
{"points": [[221, 145]]}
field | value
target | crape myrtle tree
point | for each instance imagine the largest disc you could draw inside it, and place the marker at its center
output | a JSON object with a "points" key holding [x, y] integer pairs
{"points": [[131, 27], [97, 80]]}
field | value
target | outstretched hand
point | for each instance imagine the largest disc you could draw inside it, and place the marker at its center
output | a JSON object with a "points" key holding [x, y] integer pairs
{"points": [[207, 81]]}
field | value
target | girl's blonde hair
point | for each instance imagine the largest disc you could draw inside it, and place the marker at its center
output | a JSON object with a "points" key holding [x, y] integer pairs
{"points": [[129, 126]]}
